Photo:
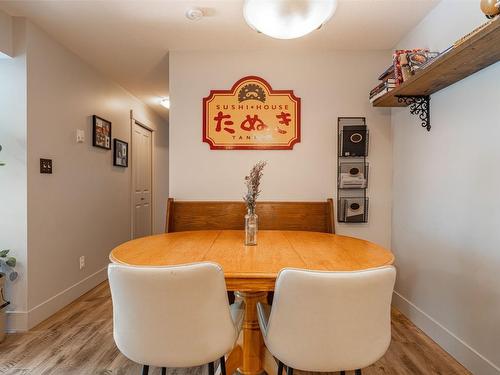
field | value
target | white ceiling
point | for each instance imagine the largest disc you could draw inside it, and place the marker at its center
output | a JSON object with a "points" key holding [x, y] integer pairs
{"points": [[129, 40]]}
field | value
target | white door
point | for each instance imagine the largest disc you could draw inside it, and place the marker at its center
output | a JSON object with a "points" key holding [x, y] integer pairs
{"points": [[141, 177]]}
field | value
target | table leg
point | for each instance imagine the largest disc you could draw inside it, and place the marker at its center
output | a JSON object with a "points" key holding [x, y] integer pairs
{"points": [[253, 343], [270, 364], [234, 360]]}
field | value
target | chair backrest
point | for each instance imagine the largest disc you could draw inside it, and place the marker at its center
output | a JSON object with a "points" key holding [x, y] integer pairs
{"points": [[307, 216], [171, 316], [331, 321]]}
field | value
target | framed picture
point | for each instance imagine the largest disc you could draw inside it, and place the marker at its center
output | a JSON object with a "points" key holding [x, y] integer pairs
{"points": [[120, 155], [101, 132]]}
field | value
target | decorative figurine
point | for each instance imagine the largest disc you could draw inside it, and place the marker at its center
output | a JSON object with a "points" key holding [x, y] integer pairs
{"points": [[490, 8]]}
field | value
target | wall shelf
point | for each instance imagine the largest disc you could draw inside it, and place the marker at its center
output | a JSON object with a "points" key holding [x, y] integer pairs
{"points": [[474, 54]]}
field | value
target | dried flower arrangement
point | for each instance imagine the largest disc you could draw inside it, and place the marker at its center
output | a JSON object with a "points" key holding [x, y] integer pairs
{"points": [[252, 181]]}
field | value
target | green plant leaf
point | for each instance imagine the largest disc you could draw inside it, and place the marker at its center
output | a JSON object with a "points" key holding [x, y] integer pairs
{"points": [[4, 253], [11, 262]]}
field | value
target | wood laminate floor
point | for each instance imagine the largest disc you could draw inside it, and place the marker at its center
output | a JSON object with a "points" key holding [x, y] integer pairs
{"points": [[79, 340]]}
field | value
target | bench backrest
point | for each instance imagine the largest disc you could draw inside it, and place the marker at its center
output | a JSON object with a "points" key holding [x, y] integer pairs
{"points": [[216, 215]]}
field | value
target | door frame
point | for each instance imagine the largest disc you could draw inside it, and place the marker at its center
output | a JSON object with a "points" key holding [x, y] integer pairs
{"points": [[134, 121]]}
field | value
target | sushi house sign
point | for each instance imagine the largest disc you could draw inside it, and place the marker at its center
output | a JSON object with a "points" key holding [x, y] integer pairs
{"points": [[251, 116]]}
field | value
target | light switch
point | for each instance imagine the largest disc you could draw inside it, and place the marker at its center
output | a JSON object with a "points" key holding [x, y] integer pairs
{"points": [[80, 136], [46, 166]]}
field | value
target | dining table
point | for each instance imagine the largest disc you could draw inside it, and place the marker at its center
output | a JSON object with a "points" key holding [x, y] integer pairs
{"points": [[251, 271]]}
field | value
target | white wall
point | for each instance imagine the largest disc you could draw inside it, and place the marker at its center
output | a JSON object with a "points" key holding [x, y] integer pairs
{"points": [[6, 45], [13, 185], [330, 85], [84, 207], [446, 210]]}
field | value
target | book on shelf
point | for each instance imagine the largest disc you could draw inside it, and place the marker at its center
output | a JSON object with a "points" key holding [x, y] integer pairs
{"points": [[418, 60], [402, 69], [383, 85], [405, 67], [387, 74], [380, 94], [439, 55], [408, 62], [384, 89]]}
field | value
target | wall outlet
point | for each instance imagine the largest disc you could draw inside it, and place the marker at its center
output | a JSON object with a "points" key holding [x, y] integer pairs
{"points": [[80, 136], [82, 262]]}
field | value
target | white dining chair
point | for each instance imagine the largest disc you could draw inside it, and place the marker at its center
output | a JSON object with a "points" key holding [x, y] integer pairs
{"points": [[329, 321], [175, 316]]}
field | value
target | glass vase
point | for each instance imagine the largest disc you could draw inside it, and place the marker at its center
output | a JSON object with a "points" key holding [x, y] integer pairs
{"points": [[251, 227]]}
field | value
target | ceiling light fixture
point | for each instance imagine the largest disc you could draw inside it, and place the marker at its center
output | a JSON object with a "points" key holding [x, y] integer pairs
{"points": [[288, 19], [165, 102]]}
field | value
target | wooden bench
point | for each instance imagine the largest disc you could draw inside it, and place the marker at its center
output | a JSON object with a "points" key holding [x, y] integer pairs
{"points": [[196, 215]]}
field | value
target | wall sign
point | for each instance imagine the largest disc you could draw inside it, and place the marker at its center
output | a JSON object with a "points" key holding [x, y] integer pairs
{"points": [[251, 116]]}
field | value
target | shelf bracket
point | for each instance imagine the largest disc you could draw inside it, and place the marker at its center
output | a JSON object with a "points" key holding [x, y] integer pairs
{"points": [[420, 105]]}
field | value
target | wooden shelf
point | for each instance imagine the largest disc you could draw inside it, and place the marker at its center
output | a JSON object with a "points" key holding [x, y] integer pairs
{"points": [[476, 53]]}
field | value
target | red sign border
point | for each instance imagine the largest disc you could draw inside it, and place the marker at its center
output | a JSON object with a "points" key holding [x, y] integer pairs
{"points": [[251, 147]]}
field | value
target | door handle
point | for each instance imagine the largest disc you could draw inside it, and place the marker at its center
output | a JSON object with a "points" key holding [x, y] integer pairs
{"points": [[142, 199]]}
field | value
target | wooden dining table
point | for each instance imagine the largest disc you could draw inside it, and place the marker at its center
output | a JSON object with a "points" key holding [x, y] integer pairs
{"points": [[251, 271]]}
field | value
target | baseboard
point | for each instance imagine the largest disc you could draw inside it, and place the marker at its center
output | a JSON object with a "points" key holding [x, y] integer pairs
{"points": [[17, 321], [460, 350], [25, 320]]}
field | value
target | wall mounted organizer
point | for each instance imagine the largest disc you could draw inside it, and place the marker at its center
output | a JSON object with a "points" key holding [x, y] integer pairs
{"points": [[352, 170], [353, 210], [353, 175]]}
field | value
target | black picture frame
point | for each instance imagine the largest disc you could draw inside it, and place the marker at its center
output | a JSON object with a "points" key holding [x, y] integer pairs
{"points": [[119, 148], [101, 132]]}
